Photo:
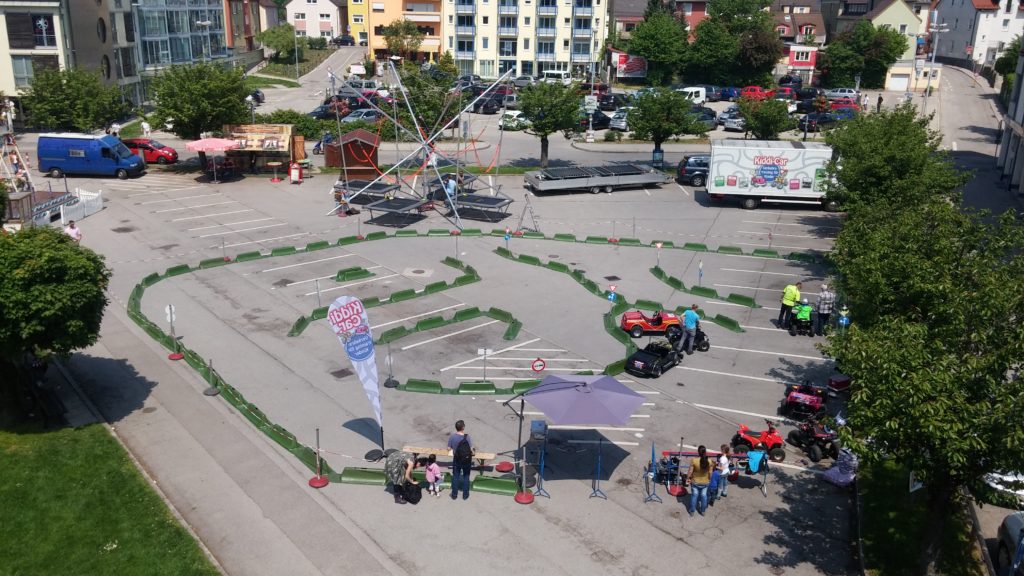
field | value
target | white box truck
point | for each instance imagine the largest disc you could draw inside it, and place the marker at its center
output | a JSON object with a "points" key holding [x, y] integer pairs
{"points": [[755, 171]]}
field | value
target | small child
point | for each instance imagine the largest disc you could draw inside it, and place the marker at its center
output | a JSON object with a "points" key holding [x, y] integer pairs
{"points": [[434, 474]]}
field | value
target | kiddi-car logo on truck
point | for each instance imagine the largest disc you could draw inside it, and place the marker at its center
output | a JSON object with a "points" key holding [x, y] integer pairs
{"points": [[770, 160]]}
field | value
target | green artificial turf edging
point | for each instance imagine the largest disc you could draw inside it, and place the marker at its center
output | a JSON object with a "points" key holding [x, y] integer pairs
{"points": [[677, 284], [101, 517]]}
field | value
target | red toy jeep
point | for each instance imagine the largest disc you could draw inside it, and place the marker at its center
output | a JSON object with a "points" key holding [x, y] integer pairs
{"points": [[637, 324]]}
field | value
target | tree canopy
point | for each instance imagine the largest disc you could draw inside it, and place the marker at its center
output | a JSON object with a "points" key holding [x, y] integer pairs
{"points": [[661, 114], [73, 99], [199, 98], [708, 58], [1006, 63], [283, 41], [662, 40], [550, 108], [403, 38], [52, 293], [863, 50], [766, 119]]}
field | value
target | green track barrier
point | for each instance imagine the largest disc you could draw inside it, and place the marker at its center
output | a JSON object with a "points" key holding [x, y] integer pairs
{"points": [[742, 300], [355, 273], [378, 235], [802, 257], [453, 262], [247, 256], [150, 280], [534, 235], [176, 270], [482, 387], [664, 243], [392, 334], [592, 286], [648, 305], [730, 250], [491, 485], [584, 373], [558, 267], [463, 280], [469, 270], [502, 251], [497, 232], [283, 251], [467, 314], [658, 273], [630, 242], [682, 309], [274, 433], [371, 302], [565, 237], [425, 386], [728, 323], [578, 275], [619, 308], [299, 326], [696, 247], [617, 367], [430, 323], [472, 232], [435, 287], [406, 233], [212, 263], [513, 330], [527, 259], [764, 253], [675, 283], [703, 291], [346, 240], [438, 232], [520, 386], [341, 273], [320, 245], [195, 361], [499, 314], [596, 240], [319, 313], [401, 295], [364, 476]]}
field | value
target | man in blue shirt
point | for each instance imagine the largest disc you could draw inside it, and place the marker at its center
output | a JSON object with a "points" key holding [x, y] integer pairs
{"points": [[690, 319]]}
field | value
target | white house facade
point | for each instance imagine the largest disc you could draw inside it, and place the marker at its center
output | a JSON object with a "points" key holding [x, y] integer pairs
{"points": [[315, 18], [977, 30]]}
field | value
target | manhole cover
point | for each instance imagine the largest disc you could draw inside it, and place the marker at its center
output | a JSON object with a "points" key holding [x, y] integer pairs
{"points": [[282, 282], [552, 255], [612, 278], [166, 246], [343, 373], [148, 410], [418, 271], [423, 272], [123, 229]]}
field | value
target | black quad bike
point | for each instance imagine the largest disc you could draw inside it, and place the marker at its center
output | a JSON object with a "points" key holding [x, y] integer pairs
{"points": [[817, 439]]}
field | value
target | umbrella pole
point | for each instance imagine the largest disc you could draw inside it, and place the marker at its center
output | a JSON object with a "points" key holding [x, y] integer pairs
{"points": [[598, 493], [522, 495], [540, 477]]}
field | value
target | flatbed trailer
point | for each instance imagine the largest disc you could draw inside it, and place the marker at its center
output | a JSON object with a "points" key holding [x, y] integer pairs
{"points": [[594, 179]]}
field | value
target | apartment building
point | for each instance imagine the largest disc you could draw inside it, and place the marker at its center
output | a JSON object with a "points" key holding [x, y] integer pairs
{"points": [[426, 14], [316, 18], [32, 37], [489, 37], [977, 31], [358, 21]]}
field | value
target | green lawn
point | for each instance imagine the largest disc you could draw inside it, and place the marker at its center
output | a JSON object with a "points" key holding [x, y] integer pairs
{"points": [[132, 129], [254, 82], [71, 502], [893, 525], [310, 60]]}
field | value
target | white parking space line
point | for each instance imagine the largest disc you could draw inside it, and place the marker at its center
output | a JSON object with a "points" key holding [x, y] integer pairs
{"points": [[721, 303], [785, 224], [265, 240], [506, 349], [194, 207], [616, 442], [164, 191], [772, 328], [305, 263], [463, 331], [771, 246], [177, 199], [640, 416], [546, 359], [759, 272], [210, 215], [731, 411], [648, 404], [685, 191], [539, 350], [244, 230], [777, 235], [512, 369], [770, 353], [651, 392], [375, 326], [228, 224], [758, 378], [343, 286], [747, 287], [602, 428]]}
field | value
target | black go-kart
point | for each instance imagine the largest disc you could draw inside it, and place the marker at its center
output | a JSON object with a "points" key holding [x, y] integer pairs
{"points": [[654, 359]]}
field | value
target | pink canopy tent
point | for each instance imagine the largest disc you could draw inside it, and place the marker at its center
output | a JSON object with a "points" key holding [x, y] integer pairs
{"points": [[211, 145]]}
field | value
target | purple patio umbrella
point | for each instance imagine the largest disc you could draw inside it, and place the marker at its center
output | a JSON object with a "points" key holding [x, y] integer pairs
{"points": [[597, 400]]}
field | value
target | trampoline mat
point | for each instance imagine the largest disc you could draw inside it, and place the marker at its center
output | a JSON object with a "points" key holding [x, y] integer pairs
{"points": [[357, 185], [491, 202], [467, 178], [396, 205]]}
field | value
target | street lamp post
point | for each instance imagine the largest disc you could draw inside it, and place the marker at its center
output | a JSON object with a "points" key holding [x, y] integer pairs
{"points": [[205, 24], [935, 29], [295, 40]]}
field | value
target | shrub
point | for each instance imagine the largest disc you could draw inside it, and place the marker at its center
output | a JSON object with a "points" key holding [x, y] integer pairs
{"points": [[316, 43], [612, 136]]}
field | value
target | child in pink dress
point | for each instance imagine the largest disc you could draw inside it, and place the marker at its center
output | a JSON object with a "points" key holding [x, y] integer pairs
{"points": [[434, 475]]}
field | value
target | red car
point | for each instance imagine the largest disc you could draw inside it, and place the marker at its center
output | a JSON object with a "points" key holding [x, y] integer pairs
{"points": [[785, 91], [637, 324], [152, 150], [844, 103], [756, 93]]}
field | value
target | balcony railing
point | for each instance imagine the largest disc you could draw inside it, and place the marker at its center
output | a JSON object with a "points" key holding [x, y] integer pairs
{"points": [[545, 56], [582, 32], [465, 30], [508, 9], [465, 8], [547, 10], [583, 10], [508, 31], [465, 55], [581, 56], [546, 32]]}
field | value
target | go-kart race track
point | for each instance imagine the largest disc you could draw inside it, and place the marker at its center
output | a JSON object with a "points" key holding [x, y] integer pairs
{"points": [[239, 315]]}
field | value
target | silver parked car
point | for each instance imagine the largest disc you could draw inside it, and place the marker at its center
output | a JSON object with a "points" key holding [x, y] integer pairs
{"points": [[524, 81], [834, 93], [1010, 532], [618, 121]]}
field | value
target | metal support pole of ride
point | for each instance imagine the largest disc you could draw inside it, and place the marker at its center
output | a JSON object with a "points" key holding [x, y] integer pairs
{"points": [[390, 382], [540, 491], [318, 481], [211, 390], [523, 496], [176, 354], [652, 475], [597, 492], [224, 251]]}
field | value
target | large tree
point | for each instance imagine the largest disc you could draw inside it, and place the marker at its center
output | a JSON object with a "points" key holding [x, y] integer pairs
{"points": [[766, 119], [934, 348], [72, 99], [662, 114], [283, 41], [550, 108], [863, 50], [891, 158], [712, 55], [403, 38], [199, 98], [662, 40]]}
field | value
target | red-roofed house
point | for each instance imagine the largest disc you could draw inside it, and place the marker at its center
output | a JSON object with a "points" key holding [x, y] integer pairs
{"points": [[978, 30]]}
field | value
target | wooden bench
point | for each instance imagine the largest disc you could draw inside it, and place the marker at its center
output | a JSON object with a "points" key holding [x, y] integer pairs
{"points": [[480, 457]]}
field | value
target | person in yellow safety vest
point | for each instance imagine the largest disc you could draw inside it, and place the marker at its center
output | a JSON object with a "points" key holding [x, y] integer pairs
{"points": [[790, 296]]}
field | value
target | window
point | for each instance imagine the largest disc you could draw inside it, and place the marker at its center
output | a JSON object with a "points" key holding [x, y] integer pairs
{"points": [[786, 9], [903, 28], [507, 21], [580, 47], [377, 6], [687, 8], [300, 33], [310, 1], [545, 47], [326, 33], [484, 19], [807, 30], [485, 42], [565, 44], [1009, 6], [357, 18], [129, 30], [356, 1], [1006, 22], [325, 17], [451, 41], [300, 16], [801, 56], [526, 21], [465, 46], [782, 30], [22, 70], [101, 30], [506, 48]]}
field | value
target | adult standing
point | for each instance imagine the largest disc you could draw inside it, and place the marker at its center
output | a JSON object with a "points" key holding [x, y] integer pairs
{"points": [[115, 130], [700, 477], [826, 302], [878, 106], [864, 102], [461, 447], [790, 296], [398, 470], [690, 319], [147, 130], [74, 231]]}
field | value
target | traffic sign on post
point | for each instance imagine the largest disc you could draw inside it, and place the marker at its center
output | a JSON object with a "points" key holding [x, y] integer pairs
{"points": [[169, 311], [538, 365], [590, 103]]}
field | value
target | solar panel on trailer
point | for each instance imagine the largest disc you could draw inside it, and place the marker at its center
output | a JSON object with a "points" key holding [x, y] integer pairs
{"points": [[624, 169], [567, 172]]}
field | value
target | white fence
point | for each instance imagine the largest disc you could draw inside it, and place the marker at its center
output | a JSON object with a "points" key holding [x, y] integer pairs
{"points": [[88, 203]]}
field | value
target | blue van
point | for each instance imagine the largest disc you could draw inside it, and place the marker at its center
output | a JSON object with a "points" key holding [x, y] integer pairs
{"points": [[86, 154]]}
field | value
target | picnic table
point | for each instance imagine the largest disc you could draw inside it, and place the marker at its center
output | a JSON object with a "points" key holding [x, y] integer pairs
{"points": [[480, 457]]}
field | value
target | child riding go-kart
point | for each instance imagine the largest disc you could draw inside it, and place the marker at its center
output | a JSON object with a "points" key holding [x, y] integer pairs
{"points": [[801, 322], [637, 324]]}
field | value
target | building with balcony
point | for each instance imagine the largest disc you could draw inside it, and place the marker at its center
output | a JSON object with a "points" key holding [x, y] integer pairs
{"points": [[104, 40], [358, 21], [426, 14], [525, 36], [315, 18], [34, 37], [179, 32]]}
